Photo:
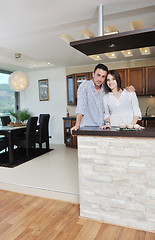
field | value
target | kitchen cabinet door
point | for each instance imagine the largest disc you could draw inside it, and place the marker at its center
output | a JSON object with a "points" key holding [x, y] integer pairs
{"points": [[123, 75], [69, 140], [74, 138], [150, 80], [90, 75], [150, 123], [136, 77], [79, 78], [67, 135], [73, 82], [71, 90]]}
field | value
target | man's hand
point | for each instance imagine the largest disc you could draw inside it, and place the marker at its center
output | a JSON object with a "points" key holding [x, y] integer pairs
{"points": [[107, 125], [130, 88], [76, 127], [77, 124]]}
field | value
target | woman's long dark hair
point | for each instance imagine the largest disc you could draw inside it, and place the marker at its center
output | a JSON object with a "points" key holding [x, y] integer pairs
{"points": [[117, 77]]}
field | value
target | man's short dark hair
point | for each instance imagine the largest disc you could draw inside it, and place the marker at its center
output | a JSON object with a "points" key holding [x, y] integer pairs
{"points": [[101, 66]]}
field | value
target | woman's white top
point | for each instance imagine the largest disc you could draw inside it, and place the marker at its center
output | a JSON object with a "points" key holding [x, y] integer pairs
{"points": [[122, 109]]}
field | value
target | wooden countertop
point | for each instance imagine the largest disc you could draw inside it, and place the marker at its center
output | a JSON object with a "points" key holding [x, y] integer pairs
{"points": [[115, 132]]}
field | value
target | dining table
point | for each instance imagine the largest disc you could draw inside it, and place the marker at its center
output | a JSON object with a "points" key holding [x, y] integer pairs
{"points": [[10, 132]]}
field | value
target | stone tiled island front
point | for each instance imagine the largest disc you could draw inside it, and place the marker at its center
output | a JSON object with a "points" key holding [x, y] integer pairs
{"points": [[117, 176]]}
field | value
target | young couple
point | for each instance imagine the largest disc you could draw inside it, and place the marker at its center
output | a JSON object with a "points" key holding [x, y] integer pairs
{"points": [[102, 101]]}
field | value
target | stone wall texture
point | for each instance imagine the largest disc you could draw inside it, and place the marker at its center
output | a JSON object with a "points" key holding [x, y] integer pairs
{"points": [[117, 180]]}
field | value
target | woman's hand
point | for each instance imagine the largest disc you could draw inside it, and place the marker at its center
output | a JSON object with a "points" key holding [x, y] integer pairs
{"points": [[142, 128], [107, 125], [137, 126]]}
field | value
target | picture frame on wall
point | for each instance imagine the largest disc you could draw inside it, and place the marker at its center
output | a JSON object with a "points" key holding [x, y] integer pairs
{"points": [[43, 90]]}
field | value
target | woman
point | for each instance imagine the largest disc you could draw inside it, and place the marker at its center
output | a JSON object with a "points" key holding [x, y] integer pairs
{"points": [[121, 107]]}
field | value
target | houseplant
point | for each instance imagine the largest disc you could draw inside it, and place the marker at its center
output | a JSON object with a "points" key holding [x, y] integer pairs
{"points": [[21, 115]]}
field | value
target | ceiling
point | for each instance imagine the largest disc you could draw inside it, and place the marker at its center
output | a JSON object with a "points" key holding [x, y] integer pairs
{"points": [[32, 27]]}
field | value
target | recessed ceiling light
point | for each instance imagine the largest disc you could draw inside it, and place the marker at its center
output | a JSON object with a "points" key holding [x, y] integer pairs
{"points": [[145, 51], [66, 37], [111, 29], [95, 57], [135, 25], [110, 33], [34, 65], [111, 55], [49, 63], [127, 53], [87, 34]]}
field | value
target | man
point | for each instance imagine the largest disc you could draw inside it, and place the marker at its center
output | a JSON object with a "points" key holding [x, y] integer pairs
{"points": [[90, 94]]}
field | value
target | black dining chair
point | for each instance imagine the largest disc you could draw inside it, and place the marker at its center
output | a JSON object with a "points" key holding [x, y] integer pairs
{"points": [[5, 120], [42, 135], [3, 143], [27, 141]]}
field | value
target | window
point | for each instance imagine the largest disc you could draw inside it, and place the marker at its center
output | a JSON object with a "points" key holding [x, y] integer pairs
{"points": [[9, 100]]}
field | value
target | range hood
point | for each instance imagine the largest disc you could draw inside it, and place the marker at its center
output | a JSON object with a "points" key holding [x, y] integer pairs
{"points": [[116, 42]]}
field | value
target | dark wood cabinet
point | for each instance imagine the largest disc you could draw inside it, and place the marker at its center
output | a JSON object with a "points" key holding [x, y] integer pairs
{"points": [[69, 140], [67, 136], [150, 80], [73, 82], [150, 123], [147, 122], [74, 138], [123, 75], [142, 78], [136, 77]]}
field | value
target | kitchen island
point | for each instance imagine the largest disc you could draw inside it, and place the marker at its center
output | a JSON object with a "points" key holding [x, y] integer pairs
{"points": [[117, 176]]}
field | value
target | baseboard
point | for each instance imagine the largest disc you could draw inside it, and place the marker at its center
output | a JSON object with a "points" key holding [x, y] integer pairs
{"points": [[40, 192]]}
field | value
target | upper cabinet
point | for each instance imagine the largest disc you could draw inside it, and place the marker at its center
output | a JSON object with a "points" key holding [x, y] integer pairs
{"points": [[123, 75], [136, 77], [73, 82], [142, 78], [79, 78], [150, 80]]}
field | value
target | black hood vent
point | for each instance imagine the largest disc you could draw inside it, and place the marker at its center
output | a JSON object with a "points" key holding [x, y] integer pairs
{"points": [[116, 42]]}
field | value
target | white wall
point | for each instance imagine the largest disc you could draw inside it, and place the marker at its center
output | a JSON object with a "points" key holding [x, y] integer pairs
{"points": [[56, 106]]}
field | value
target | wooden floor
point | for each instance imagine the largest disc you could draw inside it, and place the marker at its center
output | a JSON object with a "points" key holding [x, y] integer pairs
{"points": [[27, 217]]}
